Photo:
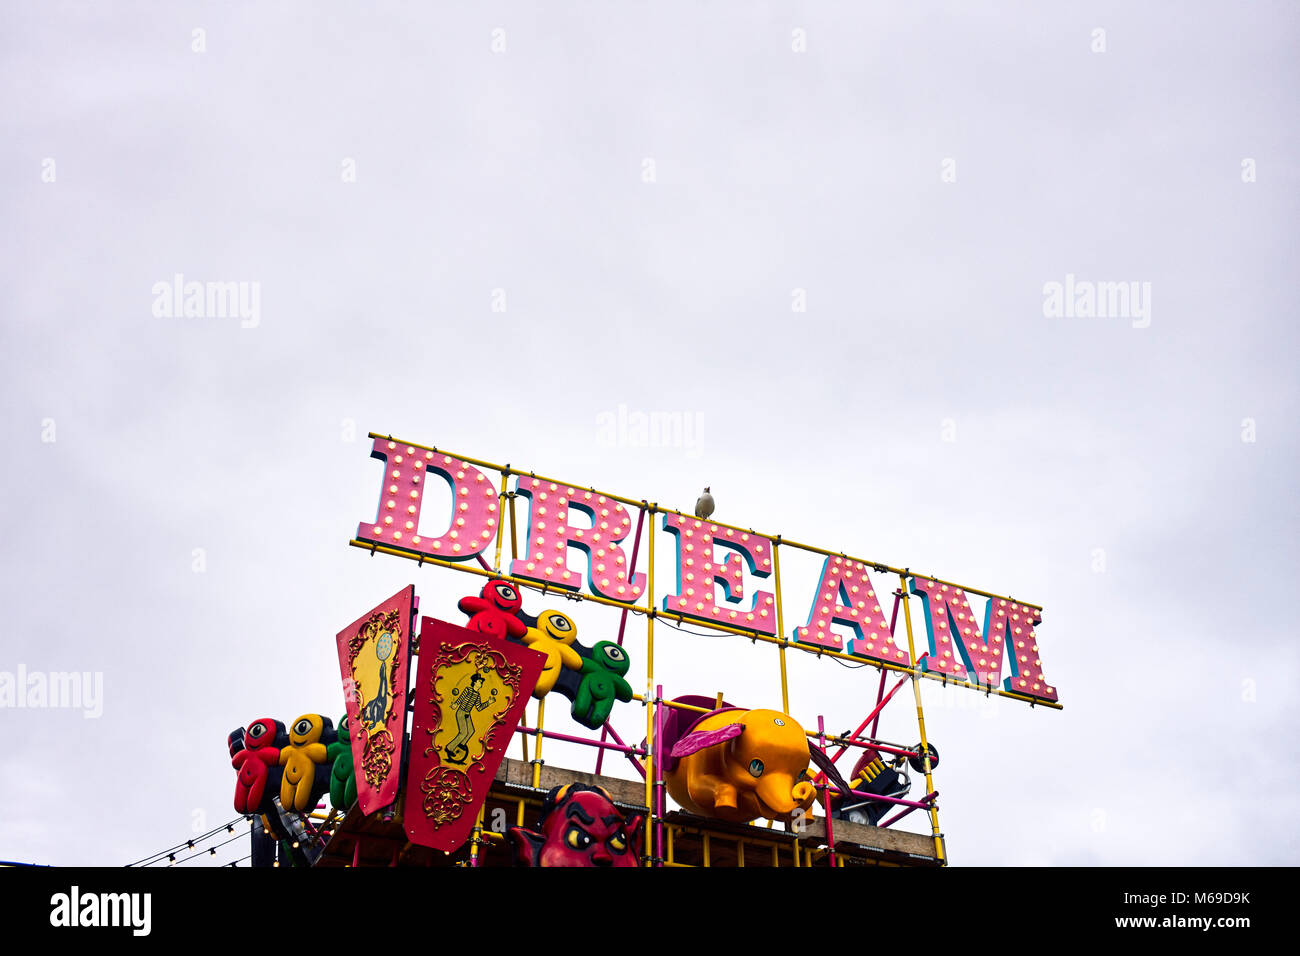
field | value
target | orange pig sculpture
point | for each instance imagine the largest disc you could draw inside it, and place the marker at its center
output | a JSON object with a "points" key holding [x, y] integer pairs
{"points": [[738, 765]]}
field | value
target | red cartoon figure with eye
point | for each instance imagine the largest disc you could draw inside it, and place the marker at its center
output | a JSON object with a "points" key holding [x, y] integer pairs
{"points": [[580, 826], [494, 612], [262, 741]]}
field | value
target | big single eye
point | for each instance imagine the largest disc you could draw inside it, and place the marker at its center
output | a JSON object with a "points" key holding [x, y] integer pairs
{"points": [[756, 767], [577, 838], [258, 730], [560, 623], [302, 728], [507, 592], [618, 842], [614, 652]]}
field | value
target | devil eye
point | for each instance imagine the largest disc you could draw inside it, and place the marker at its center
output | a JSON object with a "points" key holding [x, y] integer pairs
{"points": [[302, 727], [756, 767], [618, 842], [577, 838]]}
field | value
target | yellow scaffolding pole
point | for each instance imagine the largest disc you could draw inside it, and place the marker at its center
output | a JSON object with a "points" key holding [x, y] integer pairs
{"points": [[780, 623], [537, 747], [523, 738], [920, 720], [475, 836], [514, 540], [501, 520]]}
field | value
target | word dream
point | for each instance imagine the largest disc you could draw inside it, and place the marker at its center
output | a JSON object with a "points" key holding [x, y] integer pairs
{"points": [[844, 613]]}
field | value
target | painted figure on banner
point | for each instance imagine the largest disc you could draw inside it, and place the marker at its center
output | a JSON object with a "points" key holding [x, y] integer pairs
{"points": [[470, 692], [374, 654], [377, 708], [467, 701]]}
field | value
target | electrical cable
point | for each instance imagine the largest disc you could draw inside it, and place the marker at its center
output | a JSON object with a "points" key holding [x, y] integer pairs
{"points": [[191, 843]]}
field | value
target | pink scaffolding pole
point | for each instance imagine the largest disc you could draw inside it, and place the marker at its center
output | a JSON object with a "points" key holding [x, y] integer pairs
{"points": [[914, 804], [620, 747], [630, 750], [658, 765], [925, 802], [622, 623]]}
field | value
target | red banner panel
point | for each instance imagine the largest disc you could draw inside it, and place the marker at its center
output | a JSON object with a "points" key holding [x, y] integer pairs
{"points": [[470, 692], [374, 655]]}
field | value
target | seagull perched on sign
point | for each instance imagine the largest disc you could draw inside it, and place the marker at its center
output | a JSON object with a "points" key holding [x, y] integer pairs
{"points": [[704, 504]]}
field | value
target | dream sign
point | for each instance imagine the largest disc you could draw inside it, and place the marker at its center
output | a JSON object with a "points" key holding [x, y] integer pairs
{"points": [[590, 545]]}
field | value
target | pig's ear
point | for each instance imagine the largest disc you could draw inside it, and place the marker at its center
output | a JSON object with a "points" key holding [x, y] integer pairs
{"points": [[824, 763], [703, 739]]}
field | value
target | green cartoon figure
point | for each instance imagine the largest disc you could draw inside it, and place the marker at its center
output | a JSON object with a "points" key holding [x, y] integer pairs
{"points": [[602, 683], [343, 775]]}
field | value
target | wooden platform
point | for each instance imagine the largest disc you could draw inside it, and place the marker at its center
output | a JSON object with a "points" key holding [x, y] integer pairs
{"points": [[689, 840]]}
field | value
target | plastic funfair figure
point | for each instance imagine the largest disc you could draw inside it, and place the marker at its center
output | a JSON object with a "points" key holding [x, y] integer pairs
{"points": [[495, 610], [253, 752], [602, 684], [580, 826], [309, 738], [343, 773], [553, 636]]}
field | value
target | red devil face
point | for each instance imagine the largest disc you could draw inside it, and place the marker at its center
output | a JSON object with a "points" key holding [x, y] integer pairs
{"points": [[583, 828], [504, 595]]}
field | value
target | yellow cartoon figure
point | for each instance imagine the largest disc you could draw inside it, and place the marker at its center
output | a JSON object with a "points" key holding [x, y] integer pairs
{"points": [[553, 636], [300, 759]]}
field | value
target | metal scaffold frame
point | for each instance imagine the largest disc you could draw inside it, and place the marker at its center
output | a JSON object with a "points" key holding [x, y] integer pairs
{"points": [[662, 835]]}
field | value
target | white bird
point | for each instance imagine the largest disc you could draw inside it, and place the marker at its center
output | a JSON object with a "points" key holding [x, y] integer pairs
{"points": [[704, 504]]}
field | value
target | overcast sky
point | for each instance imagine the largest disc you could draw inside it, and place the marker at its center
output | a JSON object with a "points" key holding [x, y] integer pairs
{"points": [[825, 234]]}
